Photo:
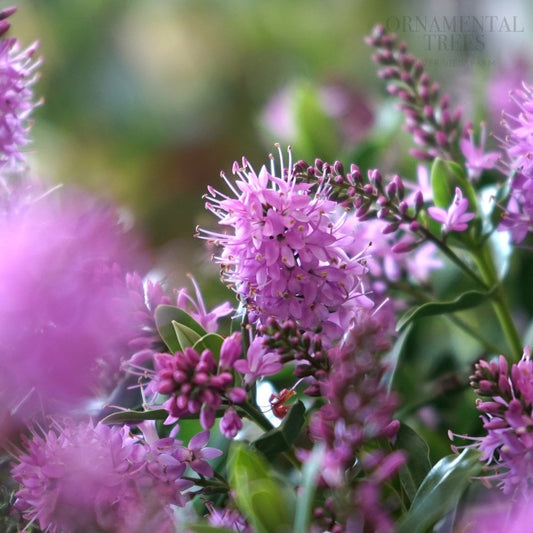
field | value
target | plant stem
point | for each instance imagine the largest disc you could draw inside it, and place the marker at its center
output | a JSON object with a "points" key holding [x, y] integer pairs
{"points": [[452, 256], [257, 416], [485, 263]]}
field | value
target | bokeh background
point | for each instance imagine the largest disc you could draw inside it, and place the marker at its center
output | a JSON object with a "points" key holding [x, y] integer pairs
{"points": [[147, 100]]}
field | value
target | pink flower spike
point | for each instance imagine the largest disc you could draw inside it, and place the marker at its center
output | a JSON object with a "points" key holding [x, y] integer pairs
{"points": [[456, 217], [476, 158]]}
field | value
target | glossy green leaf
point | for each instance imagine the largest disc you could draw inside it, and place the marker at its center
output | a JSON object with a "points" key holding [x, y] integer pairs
{"points": [[445, 177], [212, 342], [185, 335], [310, 475], [418, 464], [267, 502], [440, 491], [466, 300], [165, 315], [129, 417], [281, 439]]}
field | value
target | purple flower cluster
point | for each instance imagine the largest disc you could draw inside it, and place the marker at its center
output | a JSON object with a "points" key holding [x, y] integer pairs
{"points": [[65, 313], [17, 75], [85, 477], [518, 216], [285, 253], [428, 117], [358, 411], [197, 382], [506, 407]]}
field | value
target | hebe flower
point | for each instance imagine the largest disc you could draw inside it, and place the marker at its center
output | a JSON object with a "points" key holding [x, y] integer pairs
{"points": [[359, 410], [518, 217], [195, 382], [17, 75], [456, 217], [507, 414], [65, 313], [428, 117], [476, 158], [85, 477], [284, 254], [196, 308]]}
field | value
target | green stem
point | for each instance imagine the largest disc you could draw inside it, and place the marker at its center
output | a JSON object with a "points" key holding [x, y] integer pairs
{"points": [[452, 256], [257, 416], [485, 263]]}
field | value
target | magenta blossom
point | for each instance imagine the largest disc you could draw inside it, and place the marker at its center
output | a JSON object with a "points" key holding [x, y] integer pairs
{"points": [[259, 362], [66, 315], [207, 319], [197, 452], [195, 383], [284, 253], [506, 407], [98, 478], [457, 215], [476, 158], [17, 75]]}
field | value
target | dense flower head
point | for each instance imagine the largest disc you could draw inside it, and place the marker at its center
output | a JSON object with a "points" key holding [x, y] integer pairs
{"points": [[65, 314], [195, 383], [17, 75], [518, 216], [285, 252], [506, 405], [86, 477]]}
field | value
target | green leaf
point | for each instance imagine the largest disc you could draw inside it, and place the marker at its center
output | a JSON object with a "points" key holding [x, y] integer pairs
{"points": [[267, 502], [121, 417], [316, 132], [165, 315], [185, 335], [464, 301], [445, 177], [418, 464], [281, 439], [440, 491], [205, 528], [212, 342], [304, 503]]}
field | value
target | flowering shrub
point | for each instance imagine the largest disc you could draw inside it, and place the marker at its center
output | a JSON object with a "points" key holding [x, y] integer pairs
{"points": [[332, 268]]}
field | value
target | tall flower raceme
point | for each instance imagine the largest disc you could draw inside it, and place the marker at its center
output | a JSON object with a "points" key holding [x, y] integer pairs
{"points": [[66, 315], [85, 477], [284, 254], [17, 76], [428, 118], [358, 411], [506, 404], [518, 214]]}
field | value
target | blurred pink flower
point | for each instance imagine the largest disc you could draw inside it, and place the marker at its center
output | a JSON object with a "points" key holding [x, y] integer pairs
{"points": [[64, 318], [81, 477]]}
